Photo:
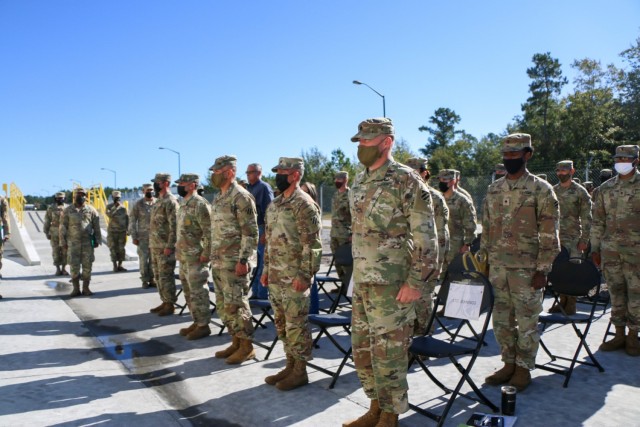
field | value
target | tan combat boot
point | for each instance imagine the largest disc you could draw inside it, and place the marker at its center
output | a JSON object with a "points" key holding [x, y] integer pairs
{"points": [[618, 342], [521, 378], [167, 309], [297, 378], [632, 345], [273, 379], [570, 306], [199, 332], [556, 307], [235, 345], [502, 375], [368, 419], [157, 309], [76, 287], [245, 352], [185, 331], [388, 419], [85, 288]]}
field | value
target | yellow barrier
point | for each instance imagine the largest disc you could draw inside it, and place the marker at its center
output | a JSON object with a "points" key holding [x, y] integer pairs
{"points": [[16, 202]]}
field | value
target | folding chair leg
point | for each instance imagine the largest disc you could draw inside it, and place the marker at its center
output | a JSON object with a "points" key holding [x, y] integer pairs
{"points": [[337, 374], [273, 345]]}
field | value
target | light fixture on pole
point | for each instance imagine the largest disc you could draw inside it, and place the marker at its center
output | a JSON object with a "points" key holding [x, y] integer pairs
{"points": [[115, 177], [384, 107], [165, 148]]}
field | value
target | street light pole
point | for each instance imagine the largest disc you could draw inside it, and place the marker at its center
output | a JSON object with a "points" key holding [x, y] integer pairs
{"points": [[165, 148], [115, 177], [384, 107]]}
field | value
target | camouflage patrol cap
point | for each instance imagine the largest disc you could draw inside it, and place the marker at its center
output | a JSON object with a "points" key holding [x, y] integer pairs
{"points": [[588, 185], [200, 187], [516, 142], [500, 168], [162, 177], [630, 151], [457, 173], [147, 187], [80, 190], [289, 163], [565, 165], [370, 128], [447, 174], [188, 178], [116, 193], [606, 173], [417, 163], [542, 175], [223, 161], [341, 175], [60, 194]]}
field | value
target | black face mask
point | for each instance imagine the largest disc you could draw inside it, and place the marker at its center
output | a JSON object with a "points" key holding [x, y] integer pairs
{"points": [[80, 200], [443, 186], [60, 202], [282, 182], [148, 194], [157, 189], [513, 166], [182, 191], [339, 184], [116, 199]]}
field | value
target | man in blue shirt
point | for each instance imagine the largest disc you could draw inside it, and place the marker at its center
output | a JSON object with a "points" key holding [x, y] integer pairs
{"points": [[263, 195]]}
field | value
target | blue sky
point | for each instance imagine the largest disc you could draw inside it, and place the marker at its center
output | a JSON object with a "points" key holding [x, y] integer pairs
{"points": [[86, 85]]}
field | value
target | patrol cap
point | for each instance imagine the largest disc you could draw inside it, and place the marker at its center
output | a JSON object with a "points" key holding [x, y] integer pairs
{"points": [[289, 163], [116, 193], [188, 177], [606, 173], [223, 161], [162, 177], [565, 165], [457, 173], [147, 186], [370, 128], [200, 187], [341, 175], [417, 163], [542, 175], [516, 142], [500, 168], [630, 151], [81, 190], [447, 174], [588, 185], [60, 194]]}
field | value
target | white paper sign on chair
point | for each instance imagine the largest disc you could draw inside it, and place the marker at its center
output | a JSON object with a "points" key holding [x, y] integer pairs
{"points": [[464, 301]]}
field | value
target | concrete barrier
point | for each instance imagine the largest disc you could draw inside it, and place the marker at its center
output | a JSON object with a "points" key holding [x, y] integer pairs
{"points": [[21, 241]]}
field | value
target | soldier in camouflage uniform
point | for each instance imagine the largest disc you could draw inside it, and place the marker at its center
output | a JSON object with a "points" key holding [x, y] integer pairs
{"points": [[458, 188], [424, 306], [615, 243], [395, 251], [520, 234], [5, 229], [340, 234], [234, 244], [292, 257], [499, 171], [162, 243], [193, 246], [575, 222], [117, 230], [79, 234], [51, 229], [139, 232]]}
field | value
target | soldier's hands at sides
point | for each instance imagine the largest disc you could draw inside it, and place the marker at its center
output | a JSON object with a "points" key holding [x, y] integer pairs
{"points": [[167, 252], [582, 247], [136, 242], [242, 269], [299, 286], [464, 248], [264, 280], [407, 294], [203, 259], [539, 280], [596, 258], [262, 239]]}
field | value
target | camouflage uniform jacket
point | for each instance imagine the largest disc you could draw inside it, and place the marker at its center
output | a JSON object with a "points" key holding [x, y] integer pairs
{"points": [[194, 229], [162, 225], [118, 217], [52, 219], [462, 220], [340, 218], [140, 218], [465, 193], [441, 215], [234, 231], [520, 223], [575, 212], [616, 216], [292, 228], [4, 216], [394, 234], [79, 224]]}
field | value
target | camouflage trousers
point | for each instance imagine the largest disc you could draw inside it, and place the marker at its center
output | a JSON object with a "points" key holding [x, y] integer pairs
{"points": [[515, 314], [194, 275], [622, 274], [116, 241], [232, 299], [144, 260], [381, 330], [58, 253], [163, 270], [291, 310], [424, 308], [80, 254]]}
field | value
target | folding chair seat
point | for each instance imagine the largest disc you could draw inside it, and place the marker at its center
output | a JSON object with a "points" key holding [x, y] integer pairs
{"points": [[573, 277], [440, 346]]}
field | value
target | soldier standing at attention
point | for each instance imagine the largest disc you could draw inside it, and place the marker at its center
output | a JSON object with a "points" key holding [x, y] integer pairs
{"points": [[292, 257], [79, 234], [234, 243], [575, 222], [51, 229], [139, 232], [615, 243], [162, 243], [394, 243], [117, 230], [520, 234], [193, 245], [5, 229], [458, 188], [340, 234]]}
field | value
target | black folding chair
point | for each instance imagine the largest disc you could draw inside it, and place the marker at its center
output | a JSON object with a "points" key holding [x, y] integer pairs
{"points": [[574, 277], [435, 347], [342, 257]]}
